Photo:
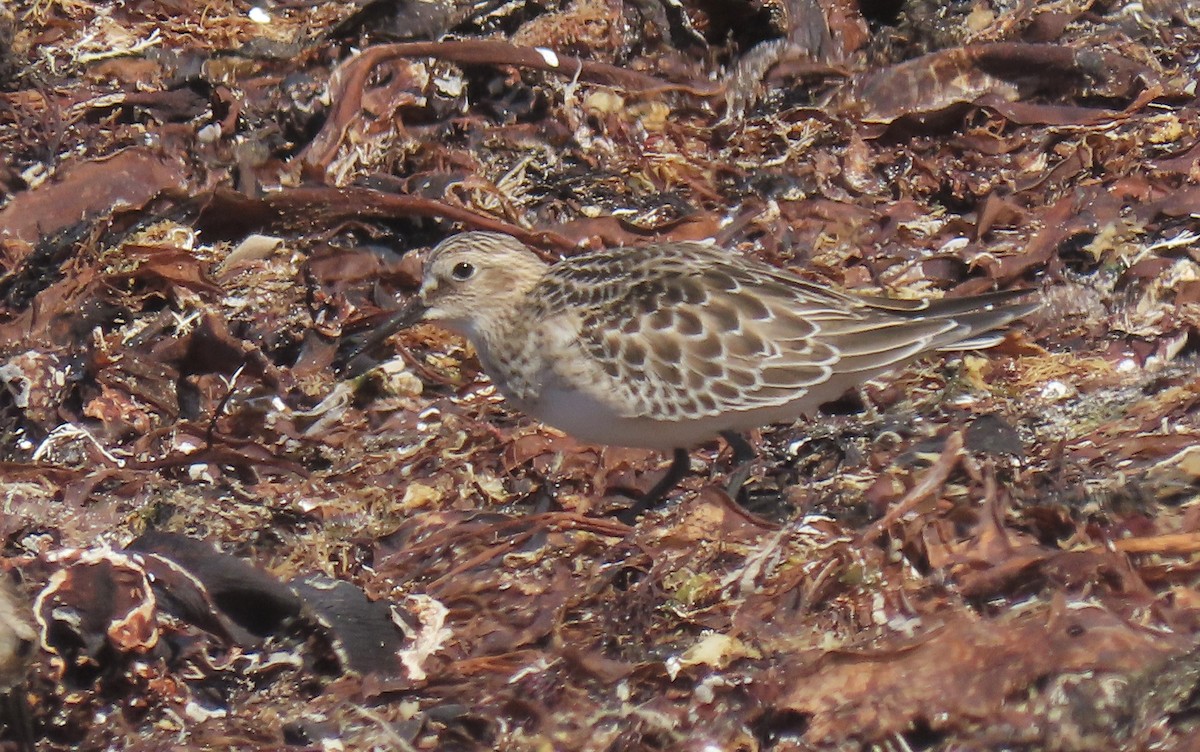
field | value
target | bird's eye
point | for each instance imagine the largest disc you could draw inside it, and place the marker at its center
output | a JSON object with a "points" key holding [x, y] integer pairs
{"points": [[462, 271]]}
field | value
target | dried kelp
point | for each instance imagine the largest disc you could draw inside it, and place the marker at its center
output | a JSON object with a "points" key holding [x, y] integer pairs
{"points": [[217, 536]]}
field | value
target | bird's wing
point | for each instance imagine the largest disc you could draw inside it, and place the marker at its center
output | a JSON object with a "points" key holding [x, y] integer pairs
{"points": [[683, 330]]}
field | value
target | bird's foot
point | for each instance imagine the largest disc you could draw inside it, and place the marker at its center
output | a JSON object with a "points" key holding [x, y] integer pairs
{"points": [[680, 463], [737, 479], [743, 463]]}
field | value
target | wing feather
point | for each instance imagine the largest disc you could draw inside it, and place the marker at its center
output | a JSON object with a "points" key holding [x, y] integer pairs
{"points": [[685, 331]]}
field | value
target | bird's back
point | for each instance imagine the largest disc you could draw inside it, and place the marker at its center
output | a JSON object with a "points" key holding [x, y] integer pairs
{"points": [[683, 332]]}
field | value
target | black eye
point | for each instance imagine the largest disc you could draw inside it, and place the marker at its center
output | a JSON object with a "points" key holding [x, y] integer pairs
{"points": [[462, 270]]}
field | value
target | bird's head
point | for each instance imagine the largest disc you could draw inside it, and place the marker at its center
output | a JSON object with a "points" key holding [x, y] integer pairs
{"points": [[476, 275], [469, 280]]}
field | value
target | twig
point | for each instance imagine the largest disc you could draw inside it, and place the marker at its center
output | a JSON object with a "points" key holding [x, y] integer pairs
{"points": [[930, 483], [1178, 544]]}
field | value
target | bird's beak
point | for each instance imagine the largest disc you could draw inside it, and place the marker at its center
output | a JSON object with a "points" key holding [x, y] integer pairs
{"points": [[407, 316]]}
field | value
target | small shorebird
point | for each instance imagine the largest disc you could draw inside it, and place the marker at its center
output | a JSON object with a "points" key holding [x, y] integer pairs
{"points": [[670, 345]]}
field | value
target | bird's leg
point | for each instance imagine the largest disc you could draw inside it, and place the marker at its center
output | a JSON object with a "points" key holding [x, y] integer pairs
{"points": [[17, 716], [743, 461], [543, 498], [680, 464], [742, 450]]}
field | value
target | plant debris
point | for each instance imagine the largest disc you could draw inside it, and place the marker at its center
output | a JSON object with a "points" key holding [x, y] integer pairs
{"points": [[215, 537]]}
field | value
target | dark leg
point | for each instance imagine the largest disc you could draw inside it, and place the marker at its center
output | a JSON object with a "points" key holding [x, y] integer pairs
{"points": [[18, 716], [543, 498], [742, 451], [743, 461], [680, 464]]}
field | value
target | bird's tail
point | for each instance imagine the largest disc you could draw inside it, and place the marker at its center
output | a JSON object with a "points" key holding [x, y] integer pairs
{"points": [[978, 318]]}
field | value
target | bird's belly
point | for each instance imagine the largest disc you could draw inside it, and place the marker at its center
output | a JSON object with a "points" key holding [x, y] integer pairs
{"points": [[589, 419]]}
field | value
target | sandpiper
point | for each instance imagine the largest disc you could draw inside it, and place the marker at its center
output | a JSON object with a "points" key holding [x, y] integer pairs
{"points": [[669, 345]]}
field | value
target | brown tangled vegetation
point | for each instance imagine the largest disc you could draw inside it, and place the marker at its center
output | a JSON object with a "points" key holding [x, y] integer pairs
{"points": [[214, 539]]}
